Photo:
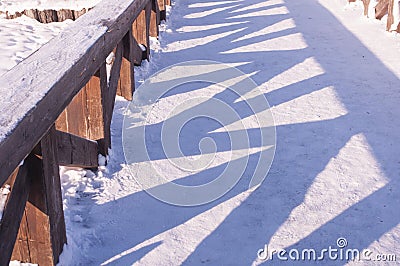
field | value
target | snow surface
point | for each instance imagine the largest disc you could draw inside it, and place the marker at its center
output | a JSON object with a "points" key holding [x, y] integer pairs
{"points": [[332, 79], [21, 37]]}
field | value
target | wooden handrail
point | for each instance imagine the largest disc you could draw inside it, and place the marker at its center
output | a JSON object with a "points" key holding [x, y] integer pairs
{"points": [[36, 91]]}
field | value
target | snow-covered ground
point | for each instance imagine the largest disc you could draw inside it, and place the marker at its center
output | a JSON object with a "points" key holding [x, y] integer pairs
{"points": [[331, 77], [22, 36]]}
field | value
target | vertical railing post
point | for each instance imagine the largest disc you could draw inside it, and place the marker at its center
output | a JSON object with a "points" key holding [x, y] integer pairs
{"points": [[42, 232]]}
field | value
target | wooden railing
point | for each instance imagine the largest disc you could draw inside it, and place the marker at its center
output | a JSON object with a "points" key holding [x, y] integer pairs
{"points": [[55, 109], [381, 9]]}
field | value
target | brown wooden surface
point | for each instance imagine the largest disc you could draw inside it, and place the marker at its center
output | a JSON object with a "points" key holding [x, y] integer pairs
{"points": [[65, 14], [161, 6], [130, 43], [14, 210], [43, 228], [76, 151], [390, 19], [366, 5], [138, 27], [381, 8], [52, 188], [83, 116], [31, 120], [147, 28], [108, 93], [48, 15], [155, 18]]}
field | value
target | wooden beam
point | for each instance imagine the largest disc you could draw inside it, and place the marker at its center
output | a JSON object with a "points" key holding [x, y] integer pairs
{"points": [[130, 43], [147, 28], [45, 226], [141, 29], [126, 82], [381, 9], [163, 11], [393, 4], [14, 209], [366, 6], [36, 91], [108, 93], [76, 151], [155, 18], [83, 117]]}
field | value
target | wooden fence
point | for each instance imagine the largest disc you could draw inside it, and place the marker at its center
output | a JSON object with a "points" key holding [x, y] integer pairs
{"points": [[382, 8], [55, 109]]}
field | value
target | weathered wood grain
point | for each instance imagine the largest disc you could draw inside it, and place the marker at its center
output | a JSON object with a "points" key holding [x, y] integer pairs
{"points": [[381, 9], [43, 228], [76, 151], [14, 210], [155, 18], [366, 6]]}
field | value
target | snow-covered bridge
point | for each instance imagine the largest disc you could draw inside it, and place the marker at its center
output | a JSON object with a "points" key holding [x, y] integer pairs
{"points": [[331, 78]]}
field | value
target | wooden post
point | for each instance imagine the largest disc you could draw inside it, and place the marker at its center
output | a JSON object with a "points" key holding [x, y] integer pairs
{"points": [[141, 29], [13, 212], [132, 55], [155, 18], [366, 6], [393, 4], [42, 234], [381, 9], [163, 11]]}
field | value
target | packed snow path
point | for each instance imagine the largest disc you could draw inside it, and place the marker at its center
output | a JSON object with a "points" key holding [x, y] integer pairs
{"points": [[332, 80]]}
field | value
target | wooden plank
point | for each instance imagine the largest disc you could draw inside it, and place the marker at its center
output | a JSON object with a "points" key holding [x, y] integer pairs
{"points": [[94, 108], [155, 18], [83, 116], [21, 247], [20, 250], [14, 210], [108, 93], [381, 9], [44, 211], [125, 85], [392, 8], [76, 151], [36, 91], [147, 28], [163, 11], [79, 13], [390, 19], [139, 29], [130, 44], [74, 118], [64, 14], [366, 6], [53, 198]]}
